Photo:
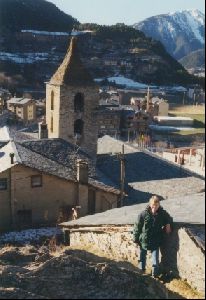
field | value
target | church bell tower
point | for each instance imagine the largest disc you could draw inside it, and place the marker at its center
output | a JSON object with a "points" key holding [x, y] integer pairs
{"points": [[71, 101]]}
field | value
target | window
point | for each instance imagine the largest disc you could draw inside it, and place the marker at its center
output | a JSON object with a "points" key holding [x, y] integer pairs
{"points": [[3, 184], [52, 100], [78, 127], [52, 124], [79, 102], [36, 181]]}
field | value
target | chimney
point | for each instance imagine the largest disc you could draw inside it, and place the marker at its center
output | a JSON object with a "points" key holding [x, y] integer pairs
{"points": [[43, 130], [12, 158], [82, 171]]}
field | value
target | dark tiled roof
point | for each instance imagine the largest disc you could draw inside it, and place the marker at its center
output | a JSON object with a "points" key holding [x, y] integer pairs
{"points": [[140, 167], [61, 152], [37, 161], [147, 175], [127, 215], [59, 158], [19, 136], [72, 71]]}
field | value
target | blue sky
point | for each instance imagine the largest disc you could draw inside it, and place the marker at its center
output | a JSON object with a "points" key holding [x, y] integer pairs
{"points": [[125, 11]]}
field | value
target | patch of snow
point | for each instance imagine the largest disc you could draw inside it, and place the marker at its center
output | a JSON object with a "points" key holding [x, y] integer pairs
{"points": [[76, 33], [170, 128], [171, 30], [26, 58], [129, 83], [4, 134], [190, 22], [44, 32], [177, 88], [26, 236], [194, 25], [198, 15], [163, 118]]}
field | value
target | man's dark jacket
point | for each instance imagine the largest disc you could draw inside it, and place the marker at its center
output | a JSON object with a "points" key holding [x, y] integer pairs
{"points": [[149, 229]]}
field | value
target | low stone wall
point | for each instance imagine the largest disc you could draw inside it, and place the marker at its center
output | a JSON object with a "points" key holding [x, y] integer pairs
{"points": [[179, 254]]}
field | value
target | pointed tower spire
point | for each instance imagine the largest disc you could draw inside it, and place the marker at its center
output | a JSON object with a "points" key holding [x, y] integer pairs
{"points": [[72, 71]]}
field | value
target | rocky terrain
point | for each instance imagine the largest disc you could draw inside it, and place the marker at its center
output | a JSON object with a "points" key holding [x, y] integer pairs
{"points": [[33, 273], [50, 272]]}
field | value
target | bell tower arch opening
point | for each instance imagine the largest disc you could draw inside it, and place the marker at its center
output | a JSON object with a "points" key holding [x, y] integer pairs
{"points": [[78, 127], [52, 100], [79, 102]]}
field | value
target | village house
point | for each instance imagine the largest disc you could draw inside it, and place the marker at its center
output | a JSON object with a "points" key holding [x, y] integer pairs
{"points": [[109, 119], [162, 106], [42, 180], [24, 109], [4, 96]]}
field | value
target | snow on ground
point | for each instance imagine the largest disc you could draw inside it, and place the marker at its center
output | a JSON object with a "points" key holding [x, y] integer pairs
{"points": [[4, 134], [26, 58], [44, 32], [30, 235], [170, 128], [124, 81], [131, 84], [76, 33]]}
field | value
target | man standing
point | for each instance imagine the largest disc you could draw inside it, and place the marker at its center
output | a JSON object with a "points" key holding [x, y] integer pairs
{"points": [[148, 232]]}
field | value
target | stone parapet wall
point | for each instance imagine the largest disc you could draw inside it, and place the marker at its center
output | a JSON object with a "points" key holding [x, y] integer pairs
{"points": [[179, 255]]}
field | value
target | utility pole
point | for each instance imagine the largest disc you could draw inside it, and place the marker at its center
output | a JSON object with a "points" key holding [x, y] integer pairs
{"points": [[128, 135], [194, 102], [121, 157], [184, 98]]}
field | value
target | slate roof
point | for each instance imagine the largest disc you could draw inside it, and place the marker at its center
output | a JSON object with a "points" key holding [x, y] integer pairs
{"points": [[72, 70], [146, 173], [56, 157], [61, 152], [187, 209], [19, 101]]}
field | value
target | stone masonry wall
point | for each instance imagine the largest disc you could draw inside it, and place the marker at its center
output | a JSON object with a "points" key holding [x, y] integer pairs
{"points": [[63, 115], [180, 255]]}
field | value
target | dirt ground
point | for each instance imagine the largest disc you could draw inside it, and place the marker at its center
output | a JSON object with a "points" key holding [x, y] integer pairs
{"points": [[39, 272]]}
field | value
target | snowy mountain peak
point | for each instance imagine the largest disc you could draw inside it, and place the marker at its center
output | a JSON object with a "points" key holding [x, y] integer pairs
{"points": [[181, 32], [196, 13]]}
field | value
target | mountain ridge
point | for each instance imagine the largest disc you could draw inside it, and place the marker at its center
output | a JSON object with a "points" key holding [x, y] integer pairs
{"points": [[180, 32], [16, 15], [195, 59], [29, 58]]}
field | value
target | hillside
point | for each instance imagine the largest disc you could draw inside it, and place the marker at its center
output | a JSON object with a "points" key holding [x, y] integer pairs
{"points": [[180, 32], [16, 15], [195, 59], [35, 38]]}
